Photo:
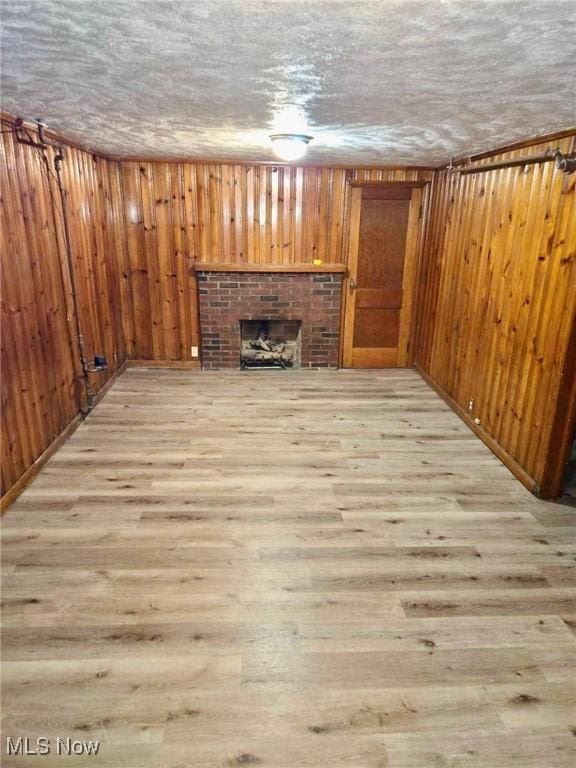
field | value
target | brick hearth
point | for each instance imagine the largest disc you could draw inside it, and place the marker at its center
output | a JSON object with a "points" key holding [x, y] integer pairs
{"points": [[228, 297]]}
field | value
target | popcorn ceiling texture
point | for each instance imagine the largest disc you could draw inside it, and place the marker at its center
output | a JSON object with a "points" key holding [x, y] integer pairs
{"points": [[378, 81]]}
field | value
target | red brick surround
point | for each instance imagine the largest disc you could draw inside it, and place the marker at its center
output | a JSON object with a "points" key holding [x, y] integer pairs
{"points": [[228, 297]]}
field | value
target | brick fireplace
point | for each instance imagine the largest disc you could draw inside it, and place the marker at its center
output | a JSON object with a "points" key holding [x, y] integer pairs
{"points": [[227, 298]]}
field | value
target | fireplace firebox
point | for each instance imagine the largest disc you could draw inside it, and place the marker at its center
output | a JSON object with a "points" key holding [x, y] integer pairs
{"points": [[270, 344]]}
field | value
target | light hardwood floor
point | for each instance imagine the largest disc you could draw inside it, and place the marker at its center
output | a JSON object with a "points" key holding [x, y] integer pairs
{"points": [[287, 570]]}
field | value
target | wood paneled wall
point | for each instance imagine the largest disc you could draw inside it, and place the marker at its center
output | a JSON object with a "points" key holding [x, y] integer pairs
{"points": [[96, 239], [39, 397], [95, 219], [42, 388], [495, 304], [179, 215], [136, 232], [497, 301]]}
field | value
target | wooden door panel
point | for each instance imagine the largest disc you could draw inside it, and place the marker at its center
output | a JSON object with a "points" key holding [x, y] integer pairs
{"points": [[374, 358], [382, 253], [381, 245], [378, 297], [376, 327]]}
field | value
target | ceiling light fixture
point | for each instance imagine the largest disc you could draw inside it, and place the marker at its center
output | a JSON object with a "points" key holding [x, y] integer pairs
{"points": [[290, 146]]}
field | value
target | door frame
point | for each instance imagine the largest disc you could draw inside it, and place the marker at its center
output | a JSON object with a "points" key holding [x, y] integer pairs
{"points": [[413, 239], [563, 431]]}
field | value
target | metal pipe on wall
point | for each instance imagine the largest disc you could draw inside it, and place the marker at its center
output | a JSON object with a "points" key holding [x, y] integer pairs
{"points": [[564, 163], [23, 136]]}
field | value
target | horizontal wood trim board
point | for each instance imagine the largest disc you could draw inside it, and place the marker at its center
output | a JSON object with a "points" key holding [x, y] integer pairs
{"points": [[231, 267], [175, 364], [387, 193], [391, 184], [176, 160], [518, 471]]}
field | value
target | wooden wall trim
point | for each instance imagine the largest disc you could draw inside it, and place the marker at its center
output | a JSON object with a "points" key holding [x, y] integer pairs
{"points": [[506, 459], [184, 159], [235, 267], [385, 185], [349, 296], [177, 364], [24, 480], [413, 232]]}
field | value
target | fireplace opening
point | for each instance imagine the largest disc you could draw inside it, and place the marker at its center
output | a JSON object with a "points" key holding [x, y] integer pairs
{"points": [[270, 344]]}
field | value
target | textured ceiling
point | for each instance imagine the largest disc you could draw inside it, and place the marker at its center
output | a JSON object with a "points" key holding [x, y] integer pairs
{"points": [[374, 81]]}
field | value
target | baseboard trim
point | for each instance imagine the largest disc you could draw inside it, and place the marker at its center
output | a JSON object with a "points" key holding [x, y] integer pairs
{"points": [[509, 461], [179, 364], [15, 490], [24, 480]]}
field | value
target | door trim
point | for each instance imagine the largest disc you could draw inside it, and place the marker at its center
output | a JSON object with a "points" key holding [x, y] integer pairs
{"points": [[382, 358], [409, 277], [349, 293]]}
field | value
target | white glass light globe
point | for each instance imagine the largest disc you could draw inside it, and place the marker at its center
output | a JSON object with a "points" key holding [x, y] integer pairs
{"points": [[289, 146]]}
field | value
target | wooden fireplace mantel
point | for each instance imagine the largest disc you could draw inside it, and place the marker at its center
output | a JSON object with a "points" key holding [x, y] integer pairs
{"points": [[286, 268]]}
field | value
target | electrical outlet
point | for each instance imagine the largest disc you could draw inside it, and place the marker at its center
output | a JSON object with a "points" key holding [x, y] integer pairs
{"points": [[476, 420], [194, 351], [471, 405]]}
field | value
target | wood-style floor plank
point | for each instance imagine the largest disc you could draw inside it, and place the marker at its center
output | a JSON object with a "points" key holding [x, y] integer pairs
{"points": [[287, 570]]}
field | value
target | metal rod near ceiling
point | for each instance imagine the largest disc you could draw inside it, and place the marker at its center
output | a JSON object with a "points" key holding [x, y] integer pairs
{"points": [[564, 163]]}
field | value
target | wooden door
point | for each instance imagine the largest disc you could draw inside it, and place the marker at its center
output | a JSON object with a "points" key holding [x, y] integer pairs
{"points": [[384, 225]]}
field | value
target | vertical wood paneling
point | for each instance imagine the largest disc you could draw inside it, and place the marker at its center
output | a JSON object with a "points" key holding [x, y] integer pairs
{"points": [[248, 214], [136, 231], [38, 372], [41, 389], [497, 299], [119, 244], [179, 215], [86, 181], [164, 225]]}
